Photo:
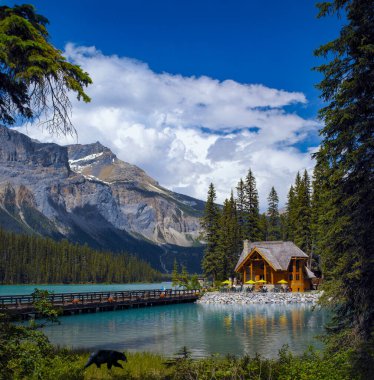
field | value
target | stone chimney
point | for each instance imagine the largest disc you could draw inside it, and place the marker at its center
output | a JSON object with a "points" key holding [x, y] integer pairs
{"points": [[246, 245]]}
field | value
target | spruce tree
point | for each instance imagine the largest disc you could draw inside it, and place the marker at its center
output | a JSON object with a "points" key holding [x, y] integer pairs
{"points": [[229, 242], [251, 209], [302, 236], [347, 153], [273, 216], [264, 226], [35, 78], [174, 274], [240, 200], [290, 215], [283, 226], [318, 209], [210, 231]]}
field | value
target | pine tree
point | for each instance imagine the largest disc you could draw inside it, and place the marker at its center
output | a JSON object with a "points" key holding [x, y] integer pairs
{"points": [[318, 209], [302, 236], [273, 216], [35, 78], [264, 232], [347, 154], [229, 242], [210, 227], [283, 226], [251, 209], [240, 200], [174, 274], [290, 215]]}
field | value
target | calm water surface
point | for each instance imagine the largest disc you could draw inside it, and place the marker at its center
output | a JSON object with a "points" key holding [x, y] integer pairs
{"points": [[204, 329], [71, 288]]}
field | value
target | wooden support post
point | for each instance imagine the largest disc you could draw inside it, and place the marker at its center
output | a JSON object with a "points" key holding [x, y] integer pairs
{"points": [[293, 273], [264, 270]]}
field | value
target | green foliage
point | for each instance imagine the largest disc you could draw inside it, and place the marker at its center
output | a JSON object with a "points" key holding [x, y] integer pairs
{"points": [[311, 365], [210, 227], [26, 353], [229, 243], [174, 274], [264, 227], [345, 181], [273, 224], [44, 307], [299, 213], [30, 259], [303, 212], [183, 279], [251, 226], [35, 78], [240, 199]]}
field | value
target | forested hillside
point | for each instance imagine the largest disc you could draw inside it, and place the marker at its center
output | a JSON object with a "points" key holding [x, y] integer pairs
{"points": [[28, 259]]}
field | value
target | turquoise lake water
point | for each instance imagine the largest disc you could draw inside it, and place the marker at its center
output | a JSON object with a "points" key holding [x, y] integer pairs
{"points": [[204, 329], [70, 288]]}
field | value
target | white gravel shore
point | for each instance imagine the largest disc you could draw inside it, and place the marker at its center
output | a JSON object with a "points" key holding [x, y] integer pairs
{"points": [[255, 298]]}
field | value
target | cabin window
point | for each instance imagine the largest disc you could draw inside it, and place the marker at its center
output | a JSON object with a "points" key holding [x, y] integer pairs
{"points": [[297, 277], [291, 277], [262, 265], [290, 269], [297, 265]]}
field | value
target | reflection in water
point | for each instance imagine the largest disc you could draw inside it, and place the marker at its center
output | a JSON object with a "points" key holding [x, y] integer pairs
{"points": [[204, 329]]}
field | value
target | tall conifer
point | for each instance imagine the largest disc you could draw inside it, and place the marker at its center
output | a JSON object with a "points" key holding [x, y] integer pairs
{"points": [[251, 209], [210, 227], [302, 237], [347, 151], [229, 242], [273, 216], [240, 200], [264, 225], [290, 215]]}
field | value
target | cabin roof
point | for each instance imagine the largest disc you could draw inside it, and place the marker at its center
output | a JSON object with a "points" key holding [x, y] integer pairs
{"points": [[277, 253]]}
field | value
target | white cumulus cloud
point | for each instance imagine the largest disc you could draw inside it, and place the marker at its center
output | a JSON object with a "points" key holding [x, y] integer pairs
{"points": [[189, 131]]}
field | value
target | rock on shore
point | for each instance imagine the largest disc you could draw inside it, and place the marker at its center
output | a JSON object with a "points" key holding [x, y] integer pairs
{"points": [[258, 298]]}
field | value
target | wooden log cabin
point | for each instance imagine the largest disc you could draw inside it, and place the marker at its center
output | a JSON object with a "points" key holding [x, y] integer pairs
{"points": [[273, 261]]}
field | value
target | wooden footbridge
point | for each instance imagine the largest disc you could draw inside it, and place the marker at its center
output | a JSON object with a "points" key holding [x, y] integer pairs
{"points": [[92, 302]]}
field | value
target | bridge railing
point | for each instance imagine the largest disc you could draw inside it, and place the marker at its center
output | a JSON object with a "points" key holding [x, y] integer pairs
{"points": [[18, 301]]}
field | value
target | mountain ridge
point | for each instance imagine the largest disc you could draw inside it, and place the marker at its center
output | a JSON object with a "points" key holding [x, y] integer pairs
{"points": [[86, 194]]}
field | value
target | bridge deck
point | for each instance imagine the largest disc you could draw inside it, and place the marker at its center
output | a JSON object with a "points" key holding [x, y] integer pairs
{"points": [[90, 302]]}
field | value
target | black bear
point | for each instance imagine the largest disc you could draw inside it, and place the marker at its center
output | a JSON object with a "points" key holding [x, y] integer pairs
{"points": [[106, 356]]}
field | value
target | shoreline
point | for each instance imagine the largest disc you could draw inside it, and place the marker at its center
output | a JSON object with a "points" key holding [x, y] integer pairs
{"points": [[258, 298]]}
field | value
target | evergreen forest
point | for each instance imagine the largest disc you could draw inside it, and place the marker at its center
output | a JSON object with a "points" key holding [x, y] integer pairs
{"points": [[29, 259], [225, 228]]}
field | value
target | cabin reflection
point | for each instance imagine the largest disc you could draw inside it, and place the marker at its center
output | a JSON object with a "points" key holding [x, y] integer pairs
{"points": [[258, 328]]}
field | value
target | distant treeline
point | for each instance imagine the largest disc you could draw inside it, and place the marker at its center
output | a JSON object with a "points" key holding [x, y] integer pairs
{"points": [[28, 259]]}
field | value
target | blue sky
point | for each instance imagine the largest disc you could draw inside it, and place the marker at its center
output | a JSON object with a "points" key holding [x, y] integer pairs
{"points": [[264, 43]]}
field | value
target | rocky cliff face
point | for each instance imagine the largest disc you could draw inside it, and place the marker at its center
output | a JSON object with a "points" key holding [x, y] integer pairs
{"points": [[86, 194]]}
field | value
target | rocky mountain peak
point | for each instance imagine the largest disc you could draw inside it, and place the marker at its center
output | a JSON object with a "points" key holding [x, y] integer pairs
{"points": [[79, 151], [86, 194], [96, 161], [16, 147]]}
